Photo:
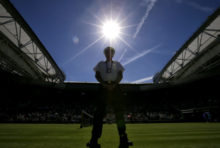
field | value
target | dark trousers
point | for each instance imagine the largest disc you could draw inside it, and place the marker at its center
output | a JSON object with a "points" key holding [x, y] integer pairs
{"points": [[115, 99]]}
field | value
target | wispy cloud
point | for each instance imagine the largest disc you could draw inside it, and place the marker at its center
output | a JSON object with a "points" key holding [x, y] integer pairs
{"points": [[196, 5], [122, 55], [132, 59], [199, 7], [143, 80], [150, 5], [145, 3]]}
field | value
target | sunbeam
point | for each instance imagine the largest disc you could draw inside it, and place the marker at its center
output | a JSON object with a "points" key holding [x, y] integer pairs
{"points": [[122, 55], [111, 31], [128, 35], [83, 50], [92, 24], [128, 44], [97, 18], [129, 26]]}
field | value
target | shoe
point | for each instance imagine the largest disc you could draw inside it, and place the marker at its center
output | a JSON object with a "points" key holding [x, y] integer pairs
{"points": [[93, 145], [124, 143]]}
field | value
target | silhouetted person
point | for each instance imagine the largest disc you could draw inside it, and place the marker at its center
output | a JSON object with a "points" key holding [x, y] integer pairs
{"points": [[109, 74]]}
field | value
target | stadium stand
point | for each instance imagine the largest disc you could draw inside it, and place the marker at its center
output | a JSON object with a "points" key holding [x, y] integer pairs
{"points": [[34, 91]]}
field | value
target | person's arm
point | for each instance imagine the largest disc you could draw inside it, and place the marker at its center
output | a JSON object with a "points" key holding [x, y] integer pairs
{"points": [[99, 78], [120, 73], [119, 77]]}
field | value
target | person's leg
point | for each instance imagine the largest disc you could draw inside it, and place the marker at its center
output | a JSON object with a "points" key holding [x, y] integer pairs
{"points": [[98, 120], [119, 115], [118, 105], [119, 109], [98, 123]]}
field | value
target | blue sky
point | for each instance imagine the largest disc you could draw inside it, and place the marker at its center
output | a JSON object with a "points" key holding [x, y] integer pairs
{"points": [[153, 31]]}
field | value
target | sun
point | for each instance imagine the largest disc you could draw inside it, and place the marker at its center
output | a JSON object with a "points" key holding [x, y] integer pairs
{"points": [[111, 30]]}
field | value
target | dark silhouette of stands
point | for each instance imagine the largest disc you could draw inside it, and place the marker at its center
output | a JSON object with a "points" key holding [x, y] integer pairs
{"points": [[27, 100]]}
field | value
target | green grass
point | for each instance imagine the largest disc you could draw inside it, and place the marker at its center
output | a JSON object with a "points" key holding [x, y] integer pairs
{"points": [[163, 135]]}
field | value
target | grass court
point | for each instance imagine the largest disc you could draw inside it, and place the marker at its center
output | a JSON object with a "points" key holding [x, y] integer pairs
{"points": [[152, 135]]}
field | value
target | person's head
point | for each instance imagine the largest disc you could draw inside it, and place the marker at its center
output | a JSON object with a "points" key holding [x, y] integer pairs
{"points": [[109, 52]]}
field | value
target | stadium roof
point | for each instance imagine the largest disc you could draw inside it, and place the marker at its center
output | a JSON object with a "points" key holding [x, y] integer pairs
{"points": [[199, 55], [25, 55], [21, 51]]}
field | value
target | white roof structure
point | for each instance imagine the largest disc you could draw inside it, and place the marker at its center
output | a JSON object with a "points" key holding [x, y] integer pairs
{"points": [[21, 51], [198, 55]]}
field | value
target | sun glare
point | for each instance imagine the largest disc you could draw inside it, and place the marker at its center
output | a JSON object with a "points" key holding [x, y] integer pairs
{"points": [[111, 30]]}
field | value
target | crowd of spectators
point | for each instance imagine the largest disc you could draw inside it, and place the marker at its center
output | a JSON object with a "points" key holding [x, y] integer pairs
{"points": [[53, 111], [29, 112]]}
